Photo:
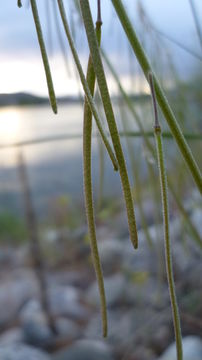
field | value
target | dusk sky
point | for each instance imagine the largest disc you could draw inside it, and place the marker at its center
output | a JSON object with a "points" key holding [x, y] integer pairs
{"points": [[20, 61]]}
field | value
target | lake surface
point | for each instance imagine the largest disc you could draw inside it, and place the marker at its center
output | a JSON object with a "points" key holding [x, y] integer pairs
{"points": [[18, 124], [54, 167], [25, 123]]}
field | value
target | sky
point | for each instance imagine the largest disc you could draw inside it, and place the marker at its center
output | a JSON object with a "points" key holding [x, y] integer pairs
{"points": [[21, 67]]}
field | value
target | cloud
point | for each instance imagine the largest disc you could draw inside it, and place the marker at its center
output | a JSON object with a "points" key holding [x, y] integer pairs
{"points": [[19, 49]]}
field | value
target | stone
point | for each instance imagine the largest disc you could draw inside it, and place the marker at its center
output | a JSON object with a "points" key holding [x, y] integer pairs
{"points": [[14, 293], [65, 301], [192, 349], [12, 336], [85, 350], [21, 352], [111, 253], [36, 331]]}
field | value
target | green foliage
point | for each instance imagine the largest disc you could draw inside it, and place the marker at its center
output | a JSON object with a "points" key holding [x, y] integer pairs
{"points": [[12, 229]]}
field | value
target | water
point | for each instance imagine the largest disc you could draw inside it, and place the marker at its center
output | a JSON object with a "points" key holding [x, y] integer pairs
{"points": [[54, 168], [19, 124]]}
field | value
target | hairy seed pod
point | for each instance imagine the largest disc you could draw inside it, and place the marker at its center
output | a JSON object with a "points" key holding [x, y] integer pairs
{"points": [[87, 136], [102, 83], [164, 198]]}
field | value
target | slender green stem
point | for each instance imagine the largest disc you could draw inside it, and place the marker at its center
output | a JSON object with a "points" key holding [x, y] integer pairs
{"points": [[168, 254], [60, 38], [100, 75], [85, 84], [128, 101], [44, 56], [63, 137], [164, 197], [165, 134], [177, 43], [162, 101], [87, 134], [49, 27], [196, 21], [146, 135], [101, 167], [185, 215], [101, 175], [19, 3]]}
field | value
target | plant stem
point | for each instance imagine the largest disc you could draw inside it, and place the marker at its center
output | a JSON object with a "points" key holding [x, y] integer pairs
{"points": [[44, 56], [19, 3], [185, 215], [35, 249], [164, 197], [146, 135], [100, 75], [136, 179], [85, 84], [162, 101], [196, 20], [60, 38], [168, 254], [177, 43], [62, 137], [87, 134]]}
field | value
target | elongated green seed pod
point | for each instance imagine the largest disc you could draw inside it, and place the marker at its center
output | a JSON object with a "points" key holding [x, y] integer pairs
{"points": [[44, 56], [100, 75], [87, 134], [165, 207], [161, 98], [136, 178], [85, 84], [168, 255]]}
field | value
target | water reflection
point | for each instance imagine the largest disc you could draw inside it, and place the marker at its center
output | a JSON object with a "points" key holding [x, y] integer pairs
{"points": [[10, 125], [18, 124]]}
